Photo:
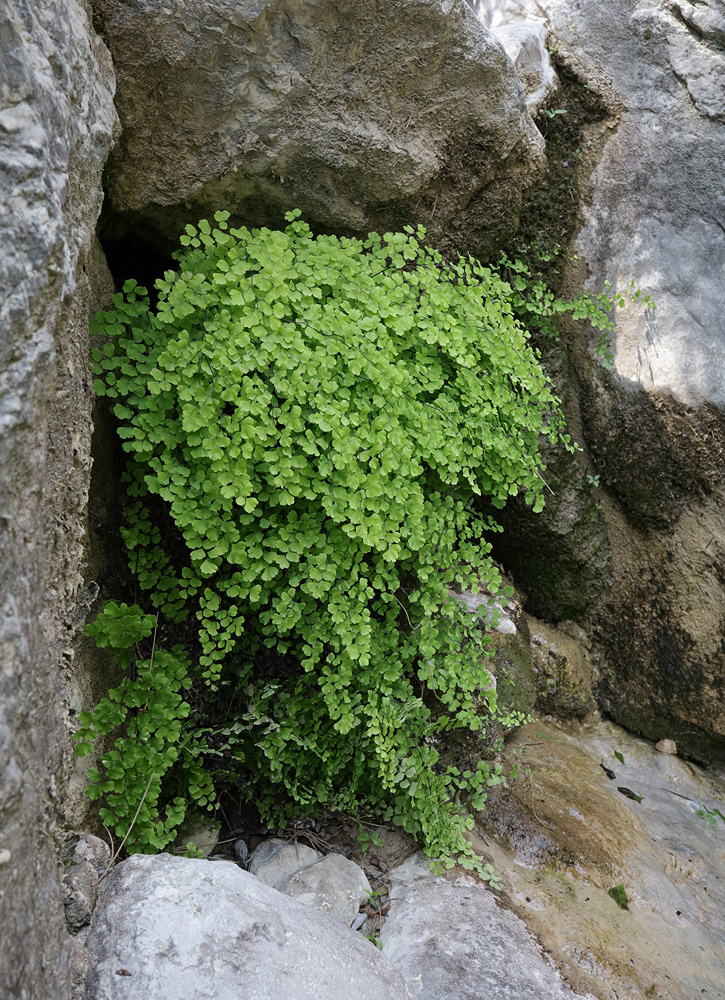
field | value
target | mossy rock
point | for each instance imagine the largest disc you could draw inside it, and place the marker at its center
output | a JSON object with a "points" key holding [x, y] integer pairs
{"points": [[562, 670], [513, 668]]}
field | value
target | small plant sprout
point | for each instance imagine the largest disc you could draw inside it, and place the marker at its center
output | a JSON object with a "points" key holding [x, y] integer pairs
{"points": [[366, 839], [710, 815]]}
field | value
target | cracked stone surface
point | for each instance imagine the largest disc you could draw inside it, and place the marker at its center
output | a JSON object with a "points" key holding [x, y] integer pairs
{"points": [[365, 116], [177, 927], [57, 122]]}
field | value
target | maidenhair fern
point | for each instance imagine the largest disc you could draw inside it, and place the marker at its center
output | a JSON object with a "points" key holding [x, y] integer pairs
{"points": [[314, 418]]}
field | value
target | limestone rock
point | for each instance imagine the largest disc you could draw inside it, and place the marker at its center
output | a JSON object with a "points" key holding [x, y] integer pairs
{"points": [[83, 847], [562, 671], [450, 939], [663, 616], [523, 29], [334, 885], [559, 557], [512, 664], [275, 859], [77, 966], [474, 603], [188, 928], [564, 836], [241, 851], [640, 558], [365, 116], [56, 126], [81, 884], [657, 209], [86, 858], [203, 834]]}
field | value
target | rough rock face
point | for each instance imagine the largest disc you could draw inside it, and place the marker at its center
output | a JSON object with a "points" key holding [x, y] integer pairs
{"points": [[85, 858], [565, 836], [653, 210], [367, 116], [563, 670], [168, 927], [450, 939], [658, 639], [275, 859], [56, 125], [522, 27], [335, 885], [560, 557], [657, 215], [658, 209]]}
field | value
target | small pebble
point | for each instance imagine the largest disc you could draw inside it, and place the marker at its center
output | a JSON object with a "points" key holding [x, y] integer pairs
{"points": [[666, 746], [241, 852], [5, 856]]}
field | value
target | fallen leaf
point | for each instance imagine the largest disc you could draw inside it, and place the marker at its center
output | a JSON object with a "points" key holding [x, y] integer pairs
{"points": [[629, 793], [710, 815], [608, 771], [619, 757], [619, 896]]}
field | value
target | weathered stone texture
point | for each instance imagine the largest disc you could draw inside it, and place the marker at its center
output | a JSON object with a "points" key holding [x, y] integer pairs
{"points": [[167, 928], [275, 859], [563, 671], [451, 940], [657, 215], [562, 837], [522, 27], [658, 211], [659, 636], [56, 124], [645, 567], [367, 116], [335, 885]]}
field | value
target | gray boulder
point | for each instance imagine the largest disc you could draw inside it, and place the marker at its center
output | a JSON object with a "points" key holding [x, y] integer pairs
{"points": [[658, 208], [563, 838], [452, 942], [657, 431], [170, 928], [637, 553], [83, 847], [275, 859], [335, 885], [366, 116]]}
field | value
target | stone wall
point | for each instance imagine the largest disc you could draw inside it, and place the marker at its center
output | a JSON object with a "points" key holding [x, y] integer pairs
{"points": [[427, 124], [648, 175], [57, 121]]}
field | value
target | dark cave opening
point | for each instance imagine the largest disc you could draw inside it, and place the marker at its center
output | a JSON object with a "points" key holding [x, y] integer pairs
{"points": [[132, 257]]}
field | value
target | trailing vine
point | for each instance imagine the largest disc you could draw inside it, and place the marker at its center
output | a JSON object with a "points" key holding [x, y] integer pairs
{"points": [[308, 421]]}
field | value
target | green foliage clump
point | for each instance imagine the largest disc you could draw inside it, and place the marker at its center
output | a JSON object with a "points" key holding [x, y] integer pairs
{"points": [[538, 308], [308, 423], [155, 746]]}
